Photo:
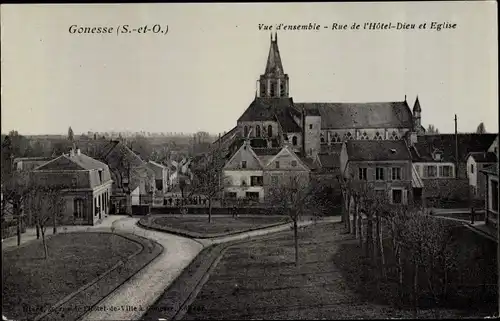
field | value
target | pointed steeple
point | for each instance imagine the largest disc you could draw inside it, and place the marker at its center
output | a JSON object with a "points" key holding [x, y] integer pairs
{"points": [[416, 106], [274, 65]]}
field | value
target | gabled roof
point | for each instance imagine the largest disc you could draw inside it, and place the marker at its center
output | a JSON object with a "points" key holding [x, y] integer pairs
{"points": [[73, 162], [287, 150], [467, 143], [484, 157], [363, 115], [377, 150], [491, 170], [157, 164]]}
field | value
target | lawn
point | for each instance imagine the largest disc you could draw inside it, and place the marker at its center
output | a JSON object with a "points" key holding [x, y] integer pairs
{"points": [[258, 280], [198, 226], [31, 284]]}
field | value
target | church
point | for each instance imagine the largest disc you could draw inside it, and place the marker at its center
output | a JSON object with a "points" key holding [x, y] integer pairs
{"points": [[273, 119]]}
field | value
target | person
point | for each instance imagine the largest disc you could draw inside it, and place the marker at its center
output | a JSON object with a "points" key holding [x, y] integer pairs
{"points": [[235, 211]]}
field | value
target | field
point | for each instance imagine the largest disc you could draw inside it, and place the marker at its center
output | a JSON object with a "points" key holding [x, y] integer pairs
{"points": [[259, 280], [198, 225], [31, 284]]}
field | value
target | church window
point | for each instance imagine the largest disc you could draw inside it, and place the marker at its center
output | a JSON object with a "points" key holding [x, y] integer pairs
{"points": [[377, 136], [257, 131], [394, 135], [294, 140], [339, 140], [349, 135], [245, 131], [270, 131], [364, 136], [273, 89], [282, 89]]}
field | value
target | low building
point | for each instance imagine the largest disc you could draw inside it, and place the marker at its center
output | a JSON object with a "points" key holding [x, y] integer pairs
{"points": [[491, 195], [85, 183], [475, 163], [441, 162], [251, 172], [381, 166]]}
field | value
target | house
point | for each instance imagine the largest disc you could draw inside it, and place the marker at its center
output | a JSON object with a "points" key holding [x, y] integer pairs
{"points": [[441, 162], [252, 172], [161, 173], [475, 163], [86, 184], [382, 166], [491, 195], [30, 163]]}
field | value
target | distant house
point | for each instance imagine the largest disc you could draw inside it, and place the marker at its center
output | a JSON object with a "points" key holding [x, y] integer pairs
{"points": [[381, 166], [161, 175], [491, 199], [86, 183], [444, 175], [30, 163], [252, 172]]}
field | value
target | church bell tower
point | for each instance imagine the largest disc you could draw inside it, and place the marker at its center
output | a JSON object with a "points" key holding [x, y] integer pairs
{"points": [[274, 82]]}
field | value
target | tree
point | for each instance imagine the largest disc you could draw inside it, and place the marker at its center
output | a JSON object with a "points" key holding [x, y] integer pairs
{"points": [[70, 134], [207, 179], [432, 130], [295, 197], [481, 129], [49, 204]]}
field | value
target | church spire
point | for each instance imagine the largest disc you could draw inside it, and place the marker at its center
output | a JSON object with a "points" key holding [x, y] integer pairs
{"points": [[274, 81]]}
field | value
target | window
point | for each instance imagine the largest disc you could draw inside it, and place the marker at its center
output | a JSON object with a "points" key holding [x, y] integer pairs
{"points": [[379, 173], [100, 176], [74, 182], [397, 196], [274, 180], [256, 181], [417, 168], [445, 171], [270, 131], [294, 140], [362, 173], [231, 195], [243, 182], [243, 164], [364, 136], [494, 195], [349, 136], [277, 164], [322, 139], [245, 131], [78, 208], [394, 135], [282, 89], [472, 168], [396, 173], [430, 171], [294, 163], [310, 126], [252, 195], [257, 131], [273, 89]]}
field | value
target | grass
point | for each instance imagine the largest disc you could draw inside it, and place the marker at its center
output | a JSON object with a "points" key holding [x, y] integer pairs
{"points": [[198, 226], [259, 280], [31, 284]]}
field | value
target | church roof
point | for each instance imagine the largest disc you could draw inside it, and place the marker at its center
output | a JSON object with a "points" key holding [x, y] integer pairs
{"points": [[274, 65], [416, 106], [272, 109], [362, 115]]}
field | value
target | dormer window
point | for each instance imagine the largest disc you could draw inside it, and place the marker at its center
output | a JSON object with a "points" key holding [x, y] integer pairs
{"points": [[257, 131], [437, 155]]}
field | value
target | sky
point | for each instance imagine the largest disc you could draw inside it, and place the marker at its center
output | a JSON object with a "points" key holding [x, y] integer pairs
{"points": [[201, 75]]}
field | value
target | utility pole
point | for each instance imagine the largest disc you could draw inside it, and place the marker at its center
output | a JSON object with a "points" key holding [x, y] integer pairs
{"points": [[456, 148]]}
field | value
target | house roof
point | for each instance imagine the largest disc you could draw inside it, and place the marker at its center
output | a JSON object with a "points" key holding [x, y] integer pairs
{"points": [[484, 157], [82, 162], [327, 149], [33, 159], [309, 109], [329, 161], [362, 115], [266, 151], [467, 143], [377, 150], [157, 164]]}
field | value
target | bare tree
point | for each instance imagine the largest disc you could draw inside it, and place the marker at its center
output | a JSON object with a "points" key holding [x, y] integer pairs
{"points": [[295, 197], [481, 129], [346, 185], [432, 130], [207, 179]]}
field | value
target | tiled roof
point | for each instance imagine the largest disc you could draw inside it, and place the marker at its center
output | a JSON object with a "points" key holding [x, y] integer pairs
{"points": [[87, 162], [72, 162], [377, 150], [363, 115], [467, 143], [333, 148], [266, 151], [310, 109], [308, 162], [486, 157]]}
